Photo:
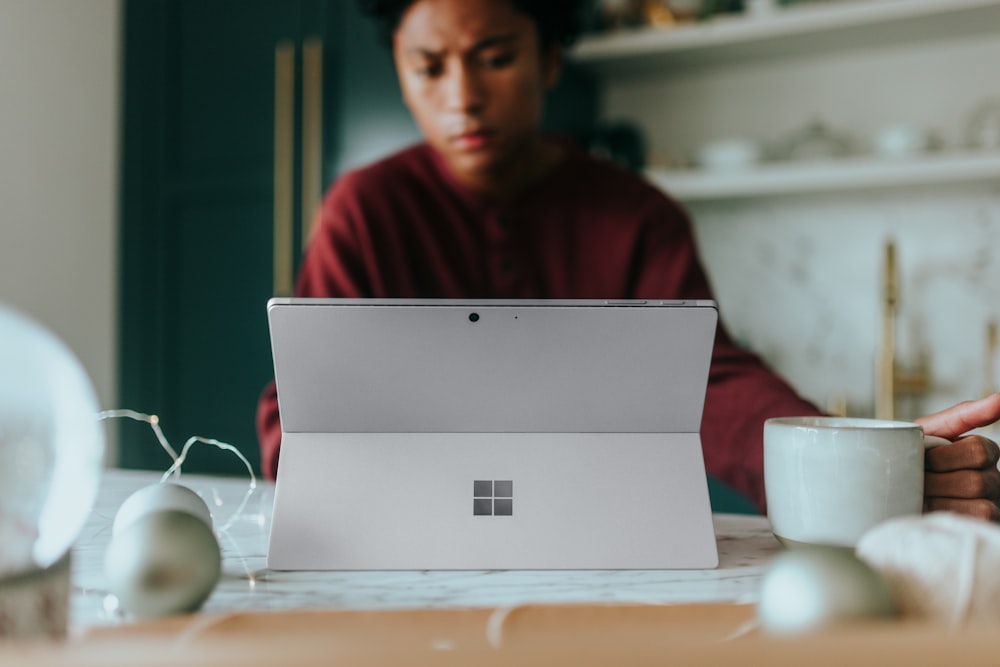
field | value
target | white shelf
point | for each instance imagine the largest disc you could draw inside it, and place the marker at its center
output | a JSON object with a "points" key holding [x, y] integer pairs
{"points": [[797, 29], [839, 175]]}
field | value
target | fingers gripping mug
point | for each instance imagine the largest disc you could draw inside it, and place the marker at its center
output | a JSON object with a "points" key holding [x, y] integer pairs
{"points": [[829, 479]]}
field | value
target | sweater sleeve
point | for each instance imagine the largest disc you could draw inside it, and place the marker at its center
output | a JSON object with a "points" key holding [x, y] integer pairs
{"points": [[742, 390], [333, 266]]}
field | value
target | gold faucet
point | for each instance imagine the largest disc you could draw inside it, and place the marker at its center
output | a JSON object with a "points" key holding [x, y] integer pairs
{"points": [[890, 380]]}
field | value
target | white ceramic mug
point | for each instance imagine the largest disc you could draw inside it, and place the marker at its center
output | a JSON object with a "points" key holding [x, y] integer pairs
{"points": [[829, 479]]}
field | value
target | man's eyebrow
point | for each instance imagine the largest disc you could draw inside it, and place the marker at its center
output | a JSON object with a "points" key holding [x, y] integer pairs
{"points": [[485, 43], [495, 40]]}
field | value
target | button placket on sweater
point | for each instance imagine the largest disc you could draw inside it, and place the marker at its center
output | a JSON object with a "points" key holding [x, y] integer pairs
{"points": [[505, 255]]}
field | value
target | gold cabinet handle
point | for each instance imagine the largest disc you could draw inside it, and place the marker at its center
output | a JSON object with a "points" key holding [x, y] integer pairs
{"points": [[284, 168], [312, 133]]}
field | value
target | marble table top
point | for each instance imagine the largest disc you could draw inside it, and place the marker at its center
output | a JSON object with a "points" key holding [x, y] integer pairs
{"points": [[242, 523]]}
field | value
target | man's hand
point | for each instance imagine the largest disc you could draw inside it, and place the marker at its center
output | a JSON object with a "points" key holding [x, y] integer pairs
{"points": [[963, 477]]}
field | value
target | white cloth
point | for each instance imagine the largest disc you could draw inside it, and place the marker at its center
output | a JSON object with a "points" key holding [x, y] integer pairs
{"points": [[939, 566]]}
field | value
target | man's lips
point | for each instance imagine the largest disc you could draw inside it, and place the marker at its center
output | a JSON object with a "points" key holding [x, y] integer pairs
{"points": [[472, 139]]}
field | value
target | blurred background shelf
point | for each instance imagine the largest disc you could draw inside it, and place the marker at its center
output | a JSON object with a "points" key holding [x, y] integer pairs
{"points": [[807, 28], [845, 174]]}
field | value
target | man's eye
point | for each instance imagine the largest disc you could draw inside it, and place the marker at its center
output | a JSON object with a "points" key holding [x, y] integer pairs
{"points": [[499, 60], [429, 71]]}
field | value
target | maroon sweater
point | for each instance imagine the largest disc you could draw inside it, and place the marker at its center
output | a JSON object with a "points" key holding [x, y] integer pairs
{"points": [[405, 227]]}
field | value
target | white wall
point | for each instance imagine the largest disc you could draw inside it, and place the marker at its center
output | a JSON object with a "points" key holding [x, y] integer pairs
{"points": [[59, 120], [798, 277]]}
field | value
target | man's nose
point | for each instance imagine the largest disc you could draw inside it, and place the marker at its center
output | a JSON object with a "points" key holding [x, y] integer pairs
{"points": [[465, 91]]}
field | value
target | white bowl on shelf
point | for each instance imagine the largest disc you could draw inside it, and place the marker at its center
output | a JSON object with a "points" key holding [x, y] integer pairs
{"points": [[901, 141], [729, 155]]}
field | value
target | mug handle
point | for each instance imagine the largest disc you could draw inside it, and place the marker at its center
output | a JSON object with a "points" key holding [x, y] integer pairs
{"points": [[934, 441]]}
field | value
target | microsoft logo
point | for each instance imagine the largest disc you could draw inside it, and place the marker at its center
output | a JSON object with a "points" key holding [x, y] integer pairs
{"points": [[493, 497]]}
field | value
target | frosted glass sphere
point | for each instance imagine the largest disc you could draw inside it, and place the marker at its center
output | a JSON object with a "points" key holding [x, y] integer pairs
{"points": [[51, 445]]}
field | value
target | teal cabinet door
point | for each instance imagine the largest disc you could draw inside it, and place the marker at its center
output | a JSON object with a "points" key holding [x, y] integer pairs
{"points": [[202, 82]]}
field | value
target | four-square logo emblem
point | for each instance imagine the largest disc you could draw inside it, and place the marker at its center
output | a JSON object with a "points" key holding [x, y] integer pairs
{"points": [[493, 497]]}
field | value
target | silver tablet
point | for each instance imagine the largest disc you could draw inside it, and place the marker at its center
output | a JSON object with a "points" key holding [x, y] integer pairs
{"points": [[455, 434]]}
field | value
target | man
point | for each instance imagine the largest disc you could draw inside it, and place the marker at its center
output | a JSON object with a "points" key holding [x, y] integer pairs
{"points": [[489, 207]]}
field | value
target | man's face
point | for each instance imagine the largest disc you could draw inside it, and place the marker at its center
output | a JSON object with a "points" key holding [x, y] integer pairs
{"points": [[474, 79]]}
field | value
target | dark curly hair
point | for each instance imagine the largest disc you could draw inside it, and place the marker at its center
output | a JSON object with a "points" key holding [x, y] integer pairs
{"points": [[557, 21]]}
